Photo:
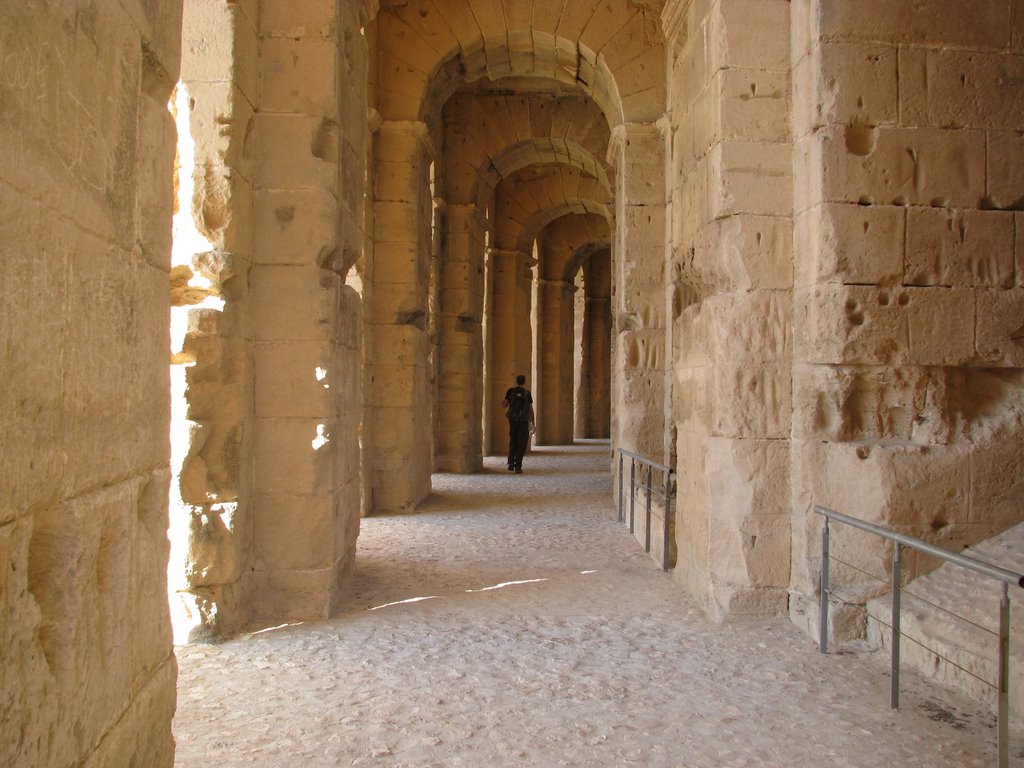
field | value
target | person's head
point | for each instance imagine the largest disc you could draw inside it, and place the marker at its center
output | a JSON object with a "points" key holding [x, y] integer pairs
{"points": [[520, 379]]}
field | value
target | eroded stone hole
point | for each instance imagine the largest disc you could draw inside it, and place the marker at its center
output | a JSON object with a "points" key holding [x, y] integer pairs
{"points": [[853, 313], [861, 139], [325, 142]]}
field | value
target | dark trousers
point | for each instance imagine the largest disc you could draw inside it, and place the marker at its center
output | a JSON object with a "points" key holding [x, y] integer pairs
{"points": [[518, 440]]}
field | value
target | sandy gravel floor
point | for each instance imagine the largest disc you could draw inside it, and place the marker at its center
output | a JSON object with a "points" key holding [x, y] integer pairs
{"points": [[515, 623]]}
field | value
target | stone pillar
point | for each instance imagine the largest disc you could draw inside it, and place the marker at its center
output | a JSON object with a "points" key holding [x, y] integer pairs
{"points": [[732, 307], [510, 331], [306, 322], [581, 394], [909, 296], [639, 254], [597, 329], [460, 342], [555, 377], [399, 409], [86, 197]]}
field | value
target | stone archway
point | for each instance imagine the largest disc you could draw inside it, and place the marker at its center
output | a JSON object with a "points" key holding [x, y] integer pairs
{"points": [[516, 91], [563, 246]]}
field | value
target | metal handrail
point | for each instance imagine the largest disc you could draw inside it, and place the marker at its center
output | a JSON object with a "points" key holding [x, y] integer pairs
{"points": [[634, 459], [1004, 576]]}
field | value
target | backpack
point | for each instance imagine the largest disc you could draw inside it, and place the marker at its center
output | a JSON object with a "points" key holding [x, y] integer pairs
{"points": [[518, 404]]}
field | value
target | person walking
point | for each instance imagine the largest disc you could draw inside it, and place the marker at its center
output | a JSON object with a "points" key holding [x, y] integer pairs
{"points": [[518, 405]]}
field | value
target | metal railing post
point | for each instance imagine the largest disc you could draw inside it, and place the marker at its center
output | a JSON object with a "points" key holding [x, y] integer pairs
{"points": [[894, 689], [823, 612], [621, 458], [1003, 739], [650, 467], [647, 527], [632, 495], [665, 548]]}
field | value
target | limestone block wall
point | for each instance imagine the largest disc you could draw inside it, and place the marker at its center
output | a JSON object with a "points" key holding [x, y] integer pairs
{"points": [[731, 234], [640, 301], [88, 673], [212, 500], [310, 140], [908, 302]]}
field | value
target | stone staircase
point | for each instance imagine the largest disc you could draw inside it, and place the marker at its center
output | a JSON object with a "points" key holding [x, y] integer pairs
{"points": [[961, 650]]}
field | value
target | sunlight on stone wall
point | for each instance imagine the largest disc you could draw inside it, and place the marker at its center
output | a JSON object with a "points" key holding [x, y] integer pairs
{"points": [[188, 242]]}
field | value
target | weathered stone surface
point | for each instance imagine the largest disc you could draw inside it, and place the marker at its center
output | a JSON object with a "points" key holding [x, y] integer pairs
{"points": [[295, 227], [286, 459], [956, 88], [287, 61], [868, 164], [936, 22], [751, 34], [996, 486], [85, 172], [293, 533], [749, 530], [751, 177], [905, 405], [851, 244], [312, 162], [881, 326], [1000, 329], [959, 248], [855, 84], [923, 491], [221, 45], [296, 305], [1005, 170]]}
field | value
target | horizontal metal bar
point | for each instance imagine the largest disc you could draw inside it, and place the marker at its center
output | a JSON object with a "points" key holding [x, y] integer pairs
{"points": [[643, 460], [964, 561]]}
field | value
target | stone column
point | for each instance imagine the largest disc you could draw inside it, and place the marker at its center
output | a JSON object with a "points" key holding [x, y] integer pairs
{"points": [[597, 329], [460, 342], [640, 301], [399, 409], [511, 339], [732, 307], [306, 322], [555, 377]]}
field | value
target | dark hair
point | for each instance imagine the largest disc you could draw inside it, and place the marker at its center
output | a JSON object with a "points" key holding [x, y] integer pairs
{"points": [[520, 379]]}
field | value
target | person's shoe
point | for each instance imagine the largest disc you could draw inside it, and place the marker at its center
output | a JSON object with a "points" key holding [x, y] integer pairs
{"points": [[519, 471], [510, 467]]}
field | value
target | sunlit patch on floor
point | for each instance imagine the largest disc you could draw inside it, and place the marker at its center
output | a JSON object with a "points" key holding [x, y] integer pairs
{"points": [[402, 602], [506, 584], [279, 626]]}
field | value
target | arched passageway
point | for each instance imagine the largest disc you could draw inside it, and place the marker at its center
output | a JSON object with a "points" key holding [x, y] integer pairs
{"points": [[815, 294], [492, 99]]}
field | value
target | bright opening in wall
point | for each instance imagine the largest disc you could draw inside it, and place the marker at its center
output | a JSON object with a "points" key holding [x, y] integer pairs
{"points": [[190, 291]]}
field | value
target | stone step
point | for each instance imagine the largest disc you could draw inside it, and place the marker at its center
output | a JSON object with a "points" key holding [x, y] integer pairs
{"points": [[958, 646]]}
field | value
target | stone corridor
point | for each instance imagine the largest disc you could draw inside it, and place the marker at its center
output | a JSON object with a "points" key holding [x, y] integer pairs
{"points": [[515, 622], [268, 267]]}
